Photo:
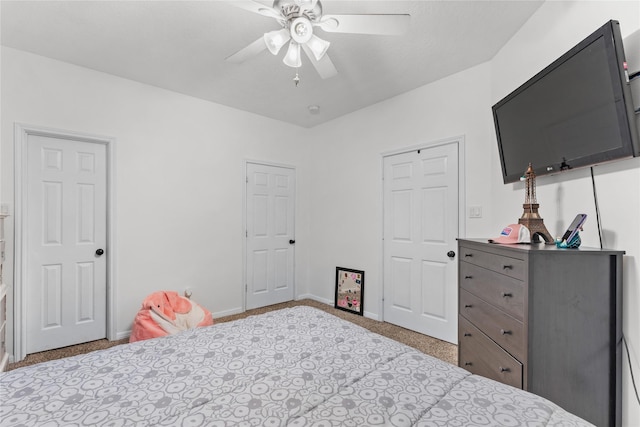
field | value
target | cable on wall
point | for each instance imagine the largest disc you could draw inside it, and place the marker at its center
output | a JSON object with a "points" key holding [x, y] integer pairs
{"points": [[595, 200], [633, 380]]}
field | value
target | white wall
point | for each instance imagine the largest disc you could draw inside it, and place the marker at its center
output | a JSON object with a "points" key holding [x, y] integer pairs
{"points": [[179, 177], [347, 202], [346, 208]]}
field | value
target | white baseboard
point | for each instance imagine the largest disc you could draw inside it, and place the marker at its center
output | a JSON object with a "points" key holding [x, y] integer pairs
{"points": [[366, 314], [227, 312], [315, 298], [122, 335], [370, 315]]}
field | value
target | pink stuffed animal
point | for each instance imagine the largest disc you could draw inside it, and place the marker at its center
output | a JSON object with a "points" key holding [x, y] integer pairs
{"points": [[166, 312]]}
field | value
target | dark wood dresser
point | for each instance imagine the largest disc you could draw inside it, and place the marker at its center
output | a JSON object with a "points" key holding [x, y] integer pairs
{"points": [[546, 320]]}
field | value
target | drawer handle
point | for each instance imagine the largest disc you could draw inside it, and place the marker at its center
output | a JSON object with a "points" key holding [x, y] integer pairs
{"points": [[507, 294], [503, 332], [468, 363], [468, 277], [468, 306], [507, 267], [504, 369], [467, 334], [468, 255]]}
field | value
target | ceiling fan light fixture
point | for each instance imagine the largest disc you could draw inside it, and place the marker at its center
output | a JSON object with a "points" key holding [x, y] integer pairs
{"points": [[276, 39], [301, 30], [297, 19], [292, 58], [318, 46]]}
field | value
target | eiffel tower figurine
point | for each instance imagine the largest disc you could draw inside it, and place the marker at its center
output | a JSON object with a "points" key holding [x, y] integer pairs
{"points": [[530, 217]]}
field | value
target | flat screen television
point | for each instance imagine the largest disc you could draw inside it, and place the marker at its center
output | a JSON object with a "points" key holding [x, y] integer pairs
{"points": [[576, 112]]}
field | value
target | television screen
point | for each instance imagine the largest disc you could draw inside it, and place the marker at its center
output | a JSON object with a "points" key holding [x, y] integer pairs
{"points": [[576, 112]]}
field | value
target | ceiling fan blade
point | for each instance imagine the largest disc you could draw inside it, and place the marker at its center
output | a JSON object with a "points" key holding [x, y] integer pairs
{"points": [[390, 25], [255, 7], [248, 52], [324, 66]]}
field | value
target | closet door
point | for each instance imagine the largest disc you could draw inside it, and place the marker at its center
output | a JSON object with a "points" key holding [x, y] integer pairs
{"points": [[66, 282], [270, 233], [420, 230]]}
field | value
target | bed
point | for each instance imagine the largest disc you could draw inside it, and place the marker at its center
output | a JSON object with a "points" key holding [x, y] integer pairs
{"points": [[297, 366]]}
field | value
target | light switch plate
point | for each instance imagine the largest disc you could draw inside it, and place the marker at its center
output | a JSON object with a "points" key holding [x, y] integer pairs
{"points": [[475, 211]]}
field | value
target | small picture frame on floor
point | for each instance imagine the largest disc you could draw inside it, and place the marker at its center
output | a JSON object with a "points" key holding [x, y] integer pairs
{"points": [[349, 290]]}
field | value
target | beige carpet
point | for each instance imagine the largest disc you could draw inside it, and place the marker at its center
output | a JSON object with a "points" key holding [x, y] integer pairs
{"points": [[440, 349]]}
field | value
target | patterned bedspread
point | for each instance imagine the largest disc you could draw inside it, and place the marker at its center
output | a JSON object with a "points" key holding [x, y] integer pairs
{"points": [[298, 367]]}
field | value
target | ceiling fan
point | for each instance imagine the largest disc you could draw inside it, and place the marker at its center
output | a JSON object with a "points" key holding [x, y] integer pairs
{"points": [[299, 20]]}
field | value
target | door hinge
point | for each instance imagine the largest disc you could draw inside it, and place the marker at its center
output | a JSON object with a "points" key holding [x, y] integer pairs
{"points": [[246, 233], [247, 178]]}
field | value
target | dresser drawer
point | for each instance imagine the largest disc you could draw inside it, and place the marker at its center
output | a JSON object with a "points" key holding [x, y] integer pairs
{"points": [[512, 267], [499, 290], [499, 326], [480, 355]]}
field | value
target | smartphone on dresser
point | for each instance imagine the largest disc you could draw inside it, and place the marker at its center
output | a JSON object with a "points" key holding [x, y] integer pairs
{"points": [[574, 227]]}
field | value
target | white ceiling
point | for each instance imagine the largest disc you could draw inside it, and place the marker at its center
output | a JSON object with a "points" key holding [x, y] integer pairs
{"points": [[182, 46]]}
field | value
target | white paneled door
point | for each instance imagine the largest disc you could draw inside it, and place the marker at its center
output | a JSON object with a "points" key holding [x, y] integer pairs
{"points": [[270, 233], [420, 230], [65, 236]]}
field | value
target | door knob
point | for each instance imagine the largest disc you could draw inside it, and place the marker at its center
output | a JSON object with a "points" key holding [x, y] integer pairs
{"points": [[292, 242], [99, 252], [451, 254]]}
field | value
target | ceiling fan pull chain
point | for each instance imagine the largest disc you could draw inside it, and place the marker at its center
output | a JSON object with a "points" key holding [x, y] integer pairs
{"points": [[296, 79]]}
